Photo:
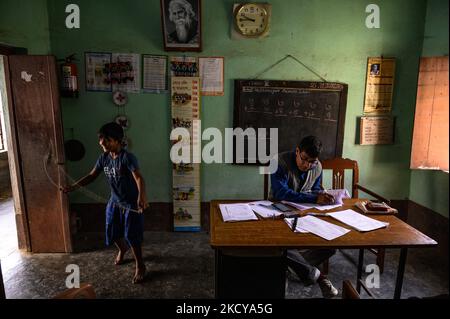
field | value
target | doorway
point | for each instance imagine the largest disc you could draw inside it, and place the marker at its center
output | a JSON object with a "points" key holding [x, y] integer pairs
{"points": [[33, 125], [8, 228]]}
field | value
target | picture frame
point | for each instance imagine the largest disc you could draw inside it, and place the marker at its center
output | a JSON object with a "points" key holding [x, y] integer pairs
{"points": [[181, 25]]}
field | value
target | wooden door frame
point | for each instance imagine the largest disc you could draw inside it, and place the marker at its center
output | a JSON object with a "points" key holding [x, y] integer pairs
{"points": [[21, 217]]}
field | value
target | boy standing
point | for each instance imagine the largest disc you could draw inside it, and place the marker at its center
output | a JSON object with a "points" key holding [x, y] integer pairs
{"points": [[124, 218]]}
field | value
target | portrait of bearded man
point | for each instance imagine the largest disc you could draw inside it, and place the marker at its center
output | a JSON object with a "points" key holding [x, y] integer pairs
{"points": [[185, 22]]}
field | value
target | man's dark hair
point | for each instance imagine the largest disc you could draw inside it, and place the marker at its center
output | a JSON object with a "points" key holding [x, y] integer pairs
{"points": [[112, 131], [311, 145]]}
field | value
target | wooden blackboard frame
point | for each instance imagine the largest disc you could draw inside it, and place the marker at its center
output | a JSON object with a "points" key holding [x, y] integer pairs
{"points": [[342, 88]]}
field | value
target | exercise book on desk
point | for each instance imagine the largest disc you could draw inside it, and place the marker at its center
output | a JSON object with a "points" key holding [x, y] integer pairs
{"points": [[236, 212], [318, 227], [357, 221]]}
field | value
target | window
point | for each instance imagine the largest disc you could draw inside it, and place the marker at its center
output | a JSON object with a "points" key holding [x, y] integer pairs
{"points": [[430, 138]]}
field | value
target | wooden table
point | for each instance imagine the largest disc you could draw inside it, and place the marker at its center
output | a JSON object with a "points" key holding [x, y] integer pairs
{"points": [[270, 235]]}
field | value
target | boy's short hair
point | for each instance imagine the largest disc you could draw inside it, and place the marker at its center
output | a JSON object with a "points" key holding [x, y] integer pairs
{"points": [[311, 145], [112, 131]]}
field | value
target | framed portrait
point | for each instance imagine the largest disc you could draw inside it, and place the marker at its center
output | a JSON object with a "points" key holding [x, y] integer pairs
{"points": [[181, 25]]}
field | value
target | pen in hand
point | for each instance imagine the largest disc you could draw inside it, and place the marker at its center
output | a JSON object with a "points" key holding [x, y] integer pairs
{"points": [[329, 198]]}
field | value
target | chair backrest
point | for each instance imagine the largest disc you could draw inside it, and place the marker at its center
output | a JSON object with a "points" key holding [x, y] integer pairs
{"points": [[338, 166], [86, 291]]}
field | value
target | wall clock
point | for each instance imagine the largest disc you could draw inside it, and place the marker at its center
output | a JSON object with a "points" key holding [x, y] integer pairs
{"points": [[252, 20]]}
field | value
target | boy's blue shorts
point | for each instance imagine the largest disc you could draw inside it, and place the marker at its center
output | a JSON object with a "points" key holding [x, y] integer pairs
{"points": [[123, 223]]}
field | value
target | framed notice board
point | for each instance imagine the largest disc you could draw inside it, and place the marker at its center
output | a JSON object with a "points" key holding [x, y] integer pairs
{"points": [[296, 108]]}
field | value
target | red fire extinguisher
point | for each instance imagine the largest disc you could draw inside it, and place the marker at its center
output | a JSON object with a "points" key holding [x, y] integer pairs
{"points": [[69, 77]]}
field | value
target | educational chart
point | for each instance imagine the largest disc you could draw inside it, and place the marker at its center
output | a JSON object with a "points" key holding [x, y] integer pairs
{"points": [[185, 103], [376, 130], [211, 73], [154, 74], [379, 85], [184, 66], [97, 77], [125, 71]]}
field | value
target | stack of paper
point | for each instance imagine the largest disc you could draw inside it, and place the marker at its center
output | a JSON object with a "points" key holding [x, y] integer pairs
{"points": [[362, 206], [304, 206], [318, 227], [357, 221], [265, 211], [295, 205], [321, 207], [236, 212]]}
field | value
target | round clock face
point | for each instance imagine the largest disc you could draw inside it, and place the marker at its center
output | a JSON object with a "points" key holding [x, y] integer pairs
{"points": [[251, 19]]}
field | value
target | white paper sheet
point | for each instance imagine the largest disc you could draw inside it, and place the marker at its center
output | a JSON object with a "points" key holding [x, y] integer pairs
{"points": [[298, 229], [338, 194], [303, 206], [265, 211], [320, 207], [357, 221], [321, 228], [296, 205], [236, 212], [262, 203]]}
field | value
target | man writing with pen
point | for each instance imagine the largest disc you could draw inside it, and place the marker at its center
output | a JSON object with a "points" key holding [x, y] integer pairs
{"points": [[298, 179]]}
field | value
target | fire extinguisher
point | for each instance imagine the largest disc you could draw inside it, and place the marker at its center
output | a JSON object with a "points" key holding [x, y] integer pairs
{"points": [[69, 77]]}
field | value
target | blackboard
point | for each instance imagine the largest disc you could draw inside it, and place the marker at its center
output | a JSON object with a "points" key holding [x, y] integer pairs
{"points": [[296, 108]]}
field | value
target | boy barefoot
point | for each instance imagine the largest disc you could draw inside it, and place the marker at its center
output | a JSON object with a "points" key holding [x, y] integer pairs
{"points": [[124, 218]]}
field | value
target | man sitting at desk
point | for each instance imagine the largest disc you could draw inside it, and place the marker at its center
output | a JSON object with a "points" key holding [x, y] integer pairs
{"points": [[298, 179]]}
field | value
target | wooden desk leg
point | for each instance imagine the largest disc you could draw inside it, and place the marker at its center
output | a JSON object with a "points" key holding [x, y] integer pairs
{"points": [[400, 273], [360, 268]]}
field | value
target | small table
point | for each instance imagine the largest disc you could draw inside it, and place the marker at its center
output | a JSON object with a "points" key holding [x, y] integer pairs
{"points": [[271, 237]]}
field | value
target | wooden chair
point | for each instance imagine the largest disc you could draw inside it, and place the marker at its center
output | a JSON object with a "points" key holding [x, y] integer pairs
{"points": [[349, 292], [338, 167], [86, 291]]}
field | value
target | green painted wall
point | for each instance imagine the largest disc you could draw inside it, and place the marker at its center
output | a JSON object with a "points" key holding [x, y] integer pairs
{"points": [[430, 188], [24, 23], [436, 29], [329, 36]]}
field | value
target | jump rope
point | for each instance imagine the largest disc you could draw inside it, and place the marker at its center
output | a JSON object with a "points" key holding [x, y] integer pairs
{"points": [[82, 189]]}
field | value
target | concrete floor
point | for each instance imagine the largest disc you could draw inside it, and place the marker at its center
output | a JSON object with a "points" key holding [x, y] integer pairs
{"points": [[181, 265]]}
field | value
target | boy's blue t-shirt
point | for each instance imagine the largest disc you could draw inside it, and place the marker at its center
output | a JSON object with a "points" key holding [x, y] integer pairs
{"points": [[118, 171]]}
